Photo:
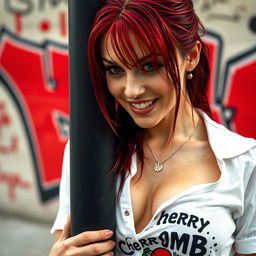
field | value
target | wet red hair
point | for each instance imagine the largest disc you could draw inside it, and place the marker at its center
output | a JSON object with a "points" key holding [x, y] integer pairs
{"points": [[160, 27]]}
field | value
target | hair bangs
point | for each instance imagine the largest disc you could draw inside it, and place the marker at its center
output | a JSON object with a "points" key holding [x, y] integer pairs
{"points": [[122, 35], [150, 31]]}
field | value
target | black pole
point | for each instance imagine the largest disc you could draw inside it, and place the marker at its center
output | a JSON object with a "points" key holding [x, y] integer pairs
{"points": [[91, 140]]}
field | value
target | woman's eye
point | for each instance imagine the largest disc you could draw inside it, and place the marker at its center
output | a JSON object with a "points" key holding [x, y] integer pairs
{"points": [[151, 67], [113, 70]]}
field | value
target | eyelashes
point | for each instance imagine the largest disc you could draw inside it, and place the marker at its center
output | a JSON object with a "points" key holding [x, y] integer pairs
{"points": [[113, 70], [148, 67]]}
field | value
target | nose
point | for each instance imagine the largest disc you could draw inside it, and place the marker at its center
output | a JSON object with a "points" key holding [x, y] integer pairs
{"points": [[134, 86]]}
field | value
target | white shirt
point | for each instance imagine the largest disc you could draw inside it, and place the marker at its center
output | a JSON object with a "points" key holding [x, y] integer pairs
{"points": [[208, 219]]}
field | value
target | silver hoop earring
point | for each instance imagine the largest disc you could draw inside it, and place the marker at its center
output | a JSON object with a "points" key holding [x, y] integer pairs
{"points": [[189, 76]]}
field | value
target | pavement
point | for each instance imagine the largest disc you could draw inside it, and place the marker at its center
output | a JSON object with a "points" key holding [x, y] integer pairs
{"points": [[22, 237]]}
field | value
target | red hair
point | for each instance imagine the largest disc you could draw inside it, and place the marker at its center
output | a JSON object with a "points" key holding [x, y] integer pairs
{"points": [[160, 26]]}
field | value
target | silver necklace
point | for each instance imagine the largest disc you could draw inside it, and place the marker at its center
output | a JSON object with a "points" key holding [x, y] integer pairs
{"points": [[159, 165]]}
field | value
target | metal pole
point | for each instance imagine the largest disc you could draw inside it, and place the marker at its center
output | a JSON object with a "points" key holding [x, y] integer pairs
{"points": [[91, 140]]}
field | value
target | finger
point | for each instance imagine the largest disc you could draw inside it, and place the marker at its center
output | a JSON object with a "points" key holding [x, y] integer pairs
{"points": [[103, 248], [57, 235], [89, 237], [66, 231], [108, 254]]}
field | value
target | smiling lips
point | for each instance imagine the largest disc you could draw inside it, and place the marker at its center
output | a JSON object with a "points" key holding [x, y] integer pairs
{"points": [[142, 107]]}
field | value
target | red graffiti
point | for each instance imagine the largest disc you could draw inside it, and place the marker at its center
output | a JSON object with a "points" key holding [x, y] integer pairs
{"points": [[13, 182], [63, 24], [232, 97], [44, 26], [5, 120], [4, 117], [239, 102], [18, 23], [39, 76], [12, 147]]}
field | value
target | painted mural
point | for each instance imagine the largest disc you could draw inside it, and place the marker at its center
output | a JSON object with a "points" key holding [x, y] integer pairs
{"points": [[34, 111]]}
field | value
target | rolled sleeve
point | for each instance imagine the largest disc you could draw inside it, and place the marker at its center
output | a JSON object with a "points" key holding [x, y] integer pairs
{"points": [[64, 193]]}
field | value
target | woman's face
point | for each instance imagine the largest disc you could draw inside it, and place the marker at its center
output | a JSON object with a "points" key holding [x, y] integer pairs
{"points": [[143, 90]]}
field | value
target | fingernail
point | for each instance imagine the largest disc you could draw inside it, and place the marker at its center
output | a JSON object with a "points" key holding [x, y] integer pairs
{"points": [[109, 233]]}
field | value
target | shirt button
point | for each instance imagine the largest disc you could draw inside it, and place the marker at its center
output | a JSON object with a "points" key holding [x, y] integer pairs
{"points": [[126, 212]]}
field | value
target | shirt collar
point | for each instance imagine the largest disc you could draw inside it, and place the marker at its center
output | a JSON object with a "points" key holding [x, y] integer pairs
{"points": [[224, 143]]}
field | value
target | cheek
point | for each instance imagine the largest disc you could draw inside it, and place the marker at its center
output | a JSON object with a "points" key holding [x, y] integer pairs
{"points": [[165, 88], [113, 88], [169, 95]]}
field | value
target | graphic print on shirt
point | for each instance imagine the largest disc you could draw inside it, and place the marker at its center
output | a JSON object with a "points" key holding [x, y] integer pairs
{"points": [[156, 252], [180, 234]]}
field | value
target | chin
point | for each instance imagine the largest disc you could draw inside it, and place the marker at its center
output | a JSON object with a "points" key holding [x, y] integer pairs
{"points": [[145, 125]]}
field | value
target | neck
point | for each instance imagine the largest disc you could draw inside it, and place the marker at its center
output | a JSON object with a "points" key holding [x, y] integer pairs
{"points": [[163, 134]]}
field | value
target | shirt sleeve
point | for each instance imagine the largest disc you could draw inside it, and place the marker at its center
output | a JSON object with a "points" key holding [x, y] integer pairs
{"points": [[64, 193], [246, 224]]}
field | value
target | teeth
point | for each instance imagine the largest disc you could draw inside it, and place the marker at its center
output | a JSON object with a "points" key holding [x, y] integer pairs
{"points": [[143, 105]]}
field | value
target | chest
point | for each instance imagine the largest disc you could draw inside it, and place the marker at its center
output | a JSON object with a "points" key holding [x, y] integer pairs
{"points": [[185, 227], [149, 190]]}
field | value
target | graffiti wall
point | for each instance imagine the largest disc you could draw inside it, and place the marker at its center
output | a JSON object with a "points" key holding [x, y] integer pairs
{"points": [[34, 111], [33, 104], [231, 32]]}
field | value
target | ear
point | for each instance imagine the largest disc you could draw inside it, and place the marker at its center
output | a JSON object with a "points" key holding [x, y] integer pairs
{"points": [[193, 57]]}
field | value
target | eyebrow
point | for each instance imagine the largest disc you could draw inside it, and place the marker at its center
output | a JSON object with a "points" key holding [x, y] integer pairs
{"points": [[108, 61], [139, 60]]}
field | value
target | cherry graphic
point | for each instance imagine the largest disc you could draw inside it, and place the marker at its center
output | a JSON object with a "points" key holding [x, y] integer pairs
{"points": [[161, 252]]}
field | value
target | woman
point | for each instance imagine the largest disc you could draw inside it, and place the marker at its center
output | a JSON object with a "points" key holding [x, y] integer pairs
{"points": [[186, 184]]}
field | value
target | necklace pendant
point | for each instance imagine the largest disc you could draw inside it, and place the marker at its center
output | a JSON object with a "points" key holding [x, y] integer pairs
{"points": [[158, 167]]}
